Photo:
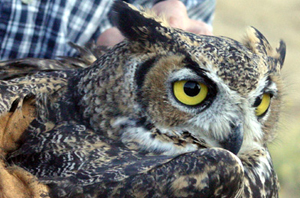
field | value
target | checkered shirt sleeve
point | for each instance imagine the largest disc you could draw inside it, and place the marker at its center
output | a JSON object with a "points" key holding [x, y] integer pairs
{"points": [[42, 28]]}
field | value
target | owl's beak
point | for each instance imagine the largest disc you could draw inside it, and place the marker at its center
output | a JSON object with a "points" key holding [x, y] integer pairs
{"points": [[235, 139]]}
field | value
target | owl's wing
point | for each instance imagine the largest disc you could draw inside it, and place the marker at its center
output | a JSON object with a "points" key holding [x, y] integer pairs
{"points": [[22, 81], [75, 161], [18, 100], [17, 110], [12, 69], [204, 173], [196, 174], [88, 54]]}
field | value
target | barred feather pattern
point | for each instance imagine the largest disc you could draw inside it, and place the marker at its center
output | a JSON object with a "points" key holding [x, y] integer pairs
{"points": [[112, 128]]}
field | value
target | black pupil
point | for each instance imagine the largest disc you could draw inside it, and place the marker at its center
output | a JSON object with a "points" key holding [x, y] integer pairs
{"points": [[191, 88], [257, 101]]}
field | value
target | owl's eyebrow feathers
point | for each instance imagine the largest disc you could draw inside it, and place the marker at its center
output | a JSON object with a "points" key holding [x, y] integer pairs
{"points": [[194, 66], [142, 70], [269, 86]]}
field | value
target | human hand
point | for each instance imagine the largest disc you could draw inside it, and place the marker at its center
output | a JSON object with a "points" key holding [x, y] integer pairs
{"points": [[176, 14], [110, 37]]}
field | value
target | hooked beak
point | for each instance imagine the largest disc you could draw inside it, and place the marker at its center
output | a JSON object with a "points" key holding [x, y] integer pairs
{"points": [[234, 141]]}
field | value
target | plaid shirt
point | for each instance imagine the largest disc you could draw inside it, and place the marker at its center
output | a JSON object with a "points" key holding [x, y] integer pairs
{"points": [[42, 28]]}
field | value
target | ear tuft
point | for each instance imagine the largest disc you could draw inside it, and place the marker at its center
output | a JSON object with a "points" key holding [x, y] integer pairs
{"points": [[258, 44], [281, 51], [136, 25]]}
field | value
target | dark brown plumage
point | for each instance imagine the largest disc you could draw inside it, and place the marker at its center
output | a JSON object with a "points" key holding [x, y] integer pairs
{"points": [[118, 128]]}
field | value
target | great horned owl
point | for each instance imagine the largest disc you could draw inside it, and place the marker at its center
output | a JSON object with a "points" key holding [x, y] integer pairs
{"points": [[165, 113]]}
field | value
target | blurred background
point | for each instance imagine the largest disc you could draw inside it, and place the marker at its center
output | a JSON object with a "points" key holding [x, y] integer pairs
{"points": [[276, 19]]}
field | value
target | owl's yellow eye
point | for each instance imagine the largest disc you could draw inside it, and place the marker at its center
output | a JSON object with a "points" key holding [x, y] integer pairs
{"points": [[190, 92], [262, 104]]}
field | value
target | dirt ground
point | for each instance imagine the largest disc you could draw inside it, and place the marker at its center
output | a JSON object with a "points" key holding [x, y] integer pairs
{"points": [[276, 19]]}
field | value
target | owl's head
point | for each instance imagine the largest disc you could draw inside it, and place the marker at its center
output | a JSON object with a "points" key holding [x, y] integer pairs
{"points": [[172, 91]]}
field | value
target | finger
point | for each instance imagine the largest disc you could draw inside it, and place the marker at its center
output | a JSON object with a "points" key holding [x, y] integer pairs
{"points": [[176, 23], [199, 27], [110, 37]]}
